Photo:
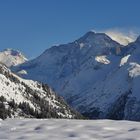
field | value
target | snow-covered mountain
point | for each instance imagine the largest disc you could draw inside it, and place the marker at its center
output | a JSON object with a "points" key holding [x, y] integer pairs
{"points": [[11, 57], [96, 75], [121, 37], [27, 98]]}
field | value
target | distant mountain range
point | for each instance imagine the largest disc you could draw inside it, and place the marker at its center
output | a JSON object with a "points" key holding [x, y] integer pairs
{"points": [[12, 57], [96, 75]]}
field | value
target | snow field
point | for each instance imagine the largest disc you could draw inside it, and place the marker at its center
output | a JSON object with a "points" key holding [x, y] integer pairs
{"points": [[55, 129]]}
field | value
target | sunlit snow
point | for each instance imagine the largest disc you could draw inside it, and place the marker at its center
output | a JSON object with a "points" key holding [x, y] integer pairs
{"points": [[53, 129], [102, 59], [124, 60]]}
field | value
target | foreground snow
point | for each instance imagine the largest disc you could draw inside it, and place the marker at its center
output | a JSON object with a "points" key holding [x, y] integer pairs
{"points": [[52, 129]]}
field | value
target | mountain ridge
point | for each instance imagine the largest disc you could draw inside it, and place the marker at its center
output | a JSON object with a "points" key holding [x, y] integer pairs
{"points": [[95, 75], [30, 99]]}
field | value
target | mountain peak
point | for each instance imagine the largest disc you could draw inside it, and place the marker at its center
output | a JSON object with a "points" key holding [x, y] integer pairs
{"points": [[93, 36], [12, 51], [11, 57], [89, 33]]}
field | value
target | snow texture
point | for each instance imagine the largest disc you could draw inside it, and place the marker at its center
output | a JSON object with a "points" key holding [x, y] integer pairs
{"points": [[122, 38], [102, 59], [20, 90], [53, 129]]}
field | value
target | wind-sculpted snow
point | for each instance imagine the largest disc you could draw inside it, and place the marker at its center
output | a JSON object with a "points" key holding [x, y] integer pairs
{"points": [[50, 129]]}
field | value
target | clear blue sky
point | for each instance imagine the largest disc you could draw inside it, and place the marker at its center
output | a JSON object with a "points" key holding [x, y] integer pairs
{"points": [[32, 26]]}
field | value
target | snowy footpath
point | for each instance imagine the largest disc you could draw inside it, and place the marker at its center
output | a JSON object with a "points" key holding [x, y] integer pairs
{"points": [[53, 129]]}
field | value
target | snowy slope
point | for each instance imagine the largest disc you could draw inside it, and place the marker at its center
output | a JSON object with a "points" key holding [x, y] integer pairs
{"points": [[11, 57], [50, 129], [121, 37], [27, 98], [64, 61], [96, 75]]}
